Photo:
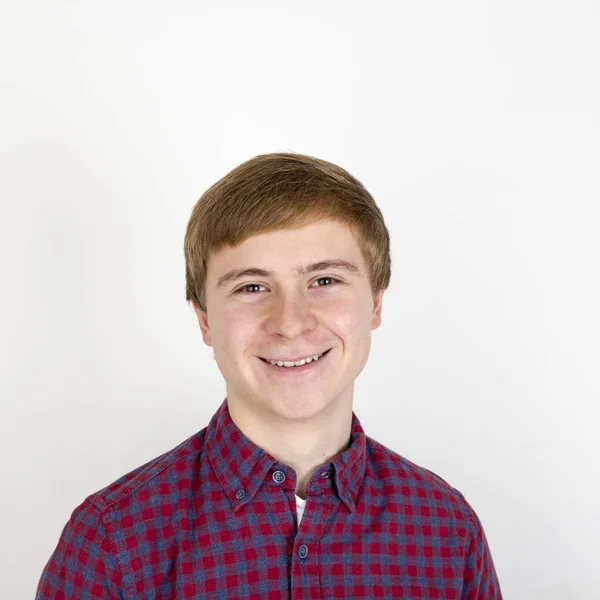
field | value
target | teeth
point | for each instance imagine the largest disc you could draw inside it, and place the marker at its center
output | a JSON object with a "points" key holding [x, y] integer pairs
{"points": [[298, 363]]}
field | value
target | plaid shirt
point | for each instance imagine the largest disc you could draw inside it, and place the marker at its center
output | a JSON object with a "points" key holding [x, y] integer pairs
{"points": [[215, 518]]}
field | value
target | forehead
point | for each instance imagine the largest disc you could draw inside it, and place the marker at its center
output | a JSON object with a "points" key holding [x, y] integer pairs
{"points": [[289, 249]]}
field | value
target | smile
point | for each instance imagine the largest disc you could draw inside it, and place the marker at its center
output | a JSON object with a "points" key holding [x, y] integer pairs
{"points": [[289, 366]]}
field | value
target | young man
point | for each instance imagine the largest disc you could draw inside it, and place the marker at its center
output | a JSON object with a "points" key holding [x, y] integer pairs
{"points": [[282, 495]]}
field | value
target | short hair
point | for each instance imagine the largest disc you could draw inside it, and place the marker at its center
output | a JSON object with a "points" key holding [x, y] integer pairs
{"points": [[271, 192]]}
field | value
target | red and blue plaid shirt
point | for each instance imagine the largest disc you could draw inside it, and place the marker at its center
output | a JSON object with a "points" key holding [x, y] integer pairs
{"points": [[215, 518]]}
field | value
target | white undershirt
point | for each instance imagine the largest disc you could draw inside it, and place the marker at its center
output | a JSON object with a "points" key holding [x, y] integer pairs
{"points": [[300, 504]]}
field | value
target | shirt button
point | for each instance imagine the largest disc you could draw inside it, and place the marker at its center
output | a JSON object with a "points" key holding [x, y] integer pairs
{"points": [[279, 477], [303, 551], [325, 474], [240, 494]]}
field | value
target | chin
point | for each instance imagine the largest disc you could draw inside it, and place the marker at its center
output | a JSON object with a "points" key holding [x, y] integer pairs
{"points": [[298, 407]]}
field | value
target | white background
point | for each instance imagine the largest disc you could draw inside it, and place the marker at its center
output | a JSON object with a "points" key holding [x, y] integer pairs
{"points": [[474, 124]]}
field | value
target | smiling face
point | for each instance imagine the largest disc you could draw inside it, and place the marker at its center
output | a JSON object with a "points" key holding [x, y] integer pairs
{"points": [[290, 315]]}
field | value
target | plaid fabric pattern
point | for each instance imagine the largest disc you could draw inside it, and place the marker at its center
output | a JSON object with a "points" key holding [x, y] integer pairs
{"points": [[215, 518]]}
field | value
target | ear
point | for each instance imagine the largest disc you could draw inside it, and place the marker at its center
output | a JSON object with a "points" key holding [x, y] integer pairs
{"points": [[377, 307], [203, 322]]}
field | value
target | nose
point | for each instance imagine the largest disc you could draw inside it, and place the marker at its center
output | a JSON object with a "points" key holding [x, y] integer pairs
{"points": [[290, 315]]}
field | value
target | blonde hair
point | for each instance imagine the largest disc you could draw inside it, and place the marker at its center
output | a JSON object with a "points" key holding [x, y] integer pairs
{"points": [[271, 192]]}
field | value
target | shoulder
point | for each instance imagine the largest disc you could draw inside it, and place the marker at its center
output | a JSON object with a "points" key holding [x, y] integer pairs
{"points": [[98, 534], [161, 475], [415, 484]]}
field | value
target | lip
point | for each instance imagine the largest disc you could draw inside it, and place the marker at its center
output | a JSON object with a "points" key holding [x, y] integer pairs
{"points": [[296, 359], [307, 368]]}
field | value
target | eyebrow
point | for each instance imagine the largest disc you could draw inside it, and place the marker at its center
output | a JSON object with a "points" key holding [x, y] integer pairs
{"points": [[322, 265]]}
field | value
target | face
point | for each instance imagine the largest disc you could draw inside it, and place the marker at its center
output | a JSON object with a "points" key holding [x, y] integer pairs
{"points": [[290, 315]]}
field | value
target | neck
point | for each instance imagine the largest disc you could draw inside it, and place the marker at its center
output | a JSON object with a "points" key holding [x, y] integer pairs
{"points": [[304, 444]]}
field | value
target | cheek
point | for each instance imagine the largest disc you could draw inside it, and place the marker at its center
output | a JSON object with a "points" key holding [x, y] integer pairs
{"points": [[356, 325], [352, 320], [237, 332]]}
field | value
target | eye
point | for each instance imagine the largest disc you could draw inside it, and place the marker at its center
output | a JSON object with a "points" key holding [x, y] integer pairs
{"points": [[243, 289], [325, 278]]}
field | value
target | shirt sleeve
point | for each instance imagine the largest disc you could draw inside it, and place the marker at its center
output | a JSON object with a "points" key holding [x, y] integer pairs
{"points": [[82, 565], [480, 581]]}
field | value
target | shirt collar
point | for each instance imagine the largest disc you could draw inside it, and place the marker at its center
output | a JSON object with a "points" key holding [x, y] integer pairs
{"points": [[241, 466]]}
